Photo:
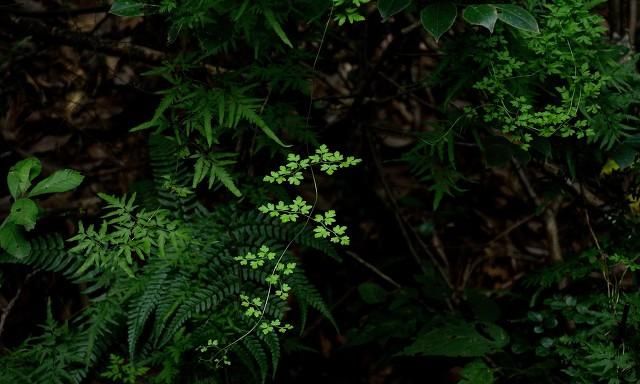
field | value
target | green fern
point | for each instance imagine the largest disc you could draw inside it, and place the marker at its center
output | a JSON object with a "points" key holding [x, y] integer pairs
{"points": [[177, 295]]}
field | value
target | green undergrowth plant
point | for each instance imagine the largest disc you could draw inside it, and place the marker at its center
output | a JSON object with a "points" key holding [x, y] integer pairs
{"points": [[584, 332], [587, 337], [439, 17], [24, 211], [177, 292], [568, 63], [416, 322], [561, 97], [542, 95], [208, 102]]}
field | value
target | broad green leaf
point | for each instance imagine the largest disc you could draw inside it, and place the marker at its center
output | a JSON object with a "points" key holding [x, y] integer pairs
{"points": [[371, 293], [389, 8], [24, 212], [12, 241], [60, 181], [459, 338], [624, 155], [438, 18], [127, 8], [21, 175], [517, 17], [484, 15], [277, 28], [476, 372]]}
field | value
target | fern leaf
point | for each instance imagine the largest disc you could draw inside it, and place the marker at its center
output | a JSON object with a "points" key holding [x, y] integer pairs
{"points": [[141, 307], [308, 296], [253, 345], [277, 28]]}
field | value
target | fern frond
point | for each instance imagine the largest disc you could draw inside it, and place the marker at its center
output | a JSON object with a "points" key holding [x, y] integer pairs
{"points": [[308, 296], [141, 307], [253, 345], [273, 344], [48, 253], [172, 178], [214, 166]]}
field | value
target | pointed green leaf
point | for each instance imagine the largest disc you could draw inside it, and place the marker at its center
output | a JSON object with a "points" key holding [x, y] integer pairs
{"points": [[198, 172], [277, 28], [145, 125], [221, 109], [226, 180], [484, 15], [208, 130], [24, 212], [389, 8], [438, 18], [21, 175], [251, 115], [12, 241], [517, 17], [60, 181]]}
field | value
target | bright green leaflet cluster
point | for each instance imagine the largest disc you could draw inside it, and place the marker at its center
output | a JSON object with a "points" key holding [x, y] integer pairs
{"points": [[257, 260], [348, 10], [261, 258], [328, 161], [563, 53], [215, 345], [210, 344], [268, 327], [126, 232], [292, 173], [267, 260], [298, 208], [24, 210], [253, 305]]}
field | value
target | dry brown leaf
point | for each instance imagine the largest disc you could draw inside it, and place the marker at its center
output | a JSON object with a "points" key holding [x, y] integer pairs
{"points": [[49, 143]]}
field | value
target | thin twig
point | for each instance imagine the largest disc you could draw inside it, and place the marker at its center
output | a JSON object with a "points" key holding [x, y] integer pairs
{"points": [[59, 12], [7, 310], [603, 256], [551, 224], [45, 33], [401, 222], [375, 270], [512, 227]]}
